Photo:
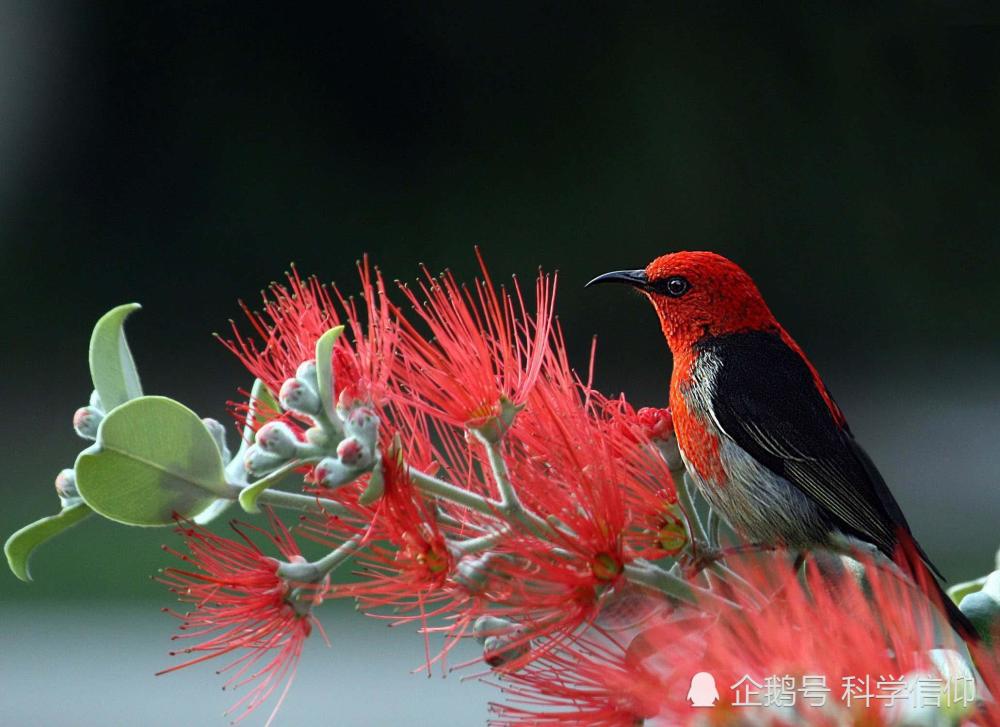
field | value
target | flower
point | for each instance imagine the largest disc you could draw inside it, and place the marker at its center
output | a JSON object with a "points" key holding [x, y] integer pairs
{"points": [[564, 464], [808, 654], [407, 564], [590, 682], [294, 317], [242, 606], [484, 350]]}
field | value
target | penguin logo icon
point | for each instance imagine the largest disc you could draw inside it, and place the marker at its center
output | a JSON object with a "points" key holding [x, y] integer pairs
{"points": [[703, 692]]}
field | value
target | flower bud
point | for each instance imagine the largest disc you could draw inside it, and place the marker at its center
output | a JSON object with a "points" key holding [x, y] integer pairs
{"points": [[86, 420], [278, 439], [362, 422], [656, 423], [299, 397], [66, 486], [473, 573], [306, 373], [332, 473], [257, 461], [218, 433], [487, 626], [95, 401], [351, 452], [501, 650]]}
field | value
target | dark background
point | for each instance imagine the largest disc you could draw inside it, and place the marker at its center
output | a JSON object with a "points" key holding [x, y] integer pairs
{"points": [[183, 154]]}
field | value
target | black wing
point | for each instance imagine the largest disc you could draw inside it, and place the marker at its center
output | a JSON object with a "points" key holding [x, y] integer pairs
{"points": [[767, 401]]}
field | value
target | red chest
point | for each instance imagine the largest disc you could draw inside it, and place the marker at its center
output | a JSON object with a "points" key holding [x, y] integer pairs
{"points": [[696, 437]]}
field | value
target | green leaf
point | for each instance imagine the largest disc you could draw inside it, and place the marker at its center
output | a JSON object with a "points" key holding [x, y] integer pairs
{"points": [[375, 488], [249, 495], [212, 512], [153, 457], [111, 366], [21, 544], [324, 370]]}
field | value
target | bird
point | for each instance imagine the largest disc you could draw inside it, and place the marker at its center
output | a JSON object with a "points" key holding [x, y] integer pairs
{"points": [[760, 434]]}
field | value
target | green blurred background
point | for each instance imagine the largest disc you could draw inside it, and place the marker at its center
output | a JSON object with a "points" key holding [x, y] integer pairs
{"points": [[182, 154]]}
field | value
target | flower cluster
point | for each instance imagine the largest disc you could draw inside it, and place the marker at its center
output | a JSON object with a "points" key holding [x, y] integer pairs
{"points": [[809, 655], [483, 489], [242, 606]]}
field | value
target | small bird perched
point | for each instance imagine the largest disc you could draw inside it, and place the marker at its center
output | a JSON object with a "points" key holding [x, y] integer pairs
{"points": [[759, 432]]}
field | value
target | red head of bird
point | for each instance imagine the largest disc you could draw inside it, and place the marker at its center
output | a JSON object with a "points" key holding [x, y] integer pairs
{"points": [[697, 294]]}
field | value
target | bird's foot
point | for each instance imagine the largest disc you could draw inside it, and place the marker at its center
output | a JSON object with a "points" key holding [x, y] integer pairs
{"points": [[700, 557], [703, 556]]}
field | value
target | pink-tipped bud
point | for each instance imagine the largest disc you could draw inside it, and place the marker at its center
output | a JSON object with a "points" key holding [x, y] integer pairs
{"points": [[86, 420], [277, 438], [66, 486], [656, 423], [361, 421], [332, 473], [298, 396], [351, 451]]}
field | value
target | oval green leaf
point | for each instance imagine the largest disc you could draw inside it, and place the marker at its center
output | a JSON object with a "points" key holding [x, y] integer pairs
{"points": [[21, 544], [212, 512], [153, 457], [324, 370], [111, 366]]}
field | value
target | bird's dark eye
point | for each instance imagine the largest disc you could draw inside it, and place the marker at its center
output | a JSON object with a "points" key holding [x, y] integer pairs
{"points": [[676, 286]]}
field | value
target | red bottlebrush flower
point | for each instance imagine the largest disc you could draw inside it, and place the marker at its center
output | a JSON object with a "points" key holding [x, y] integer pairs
{"points": [[485, 349], [816, 654], [657, 525], [564, 468], [407, 564], [587, 467], [419, 560], [296, 314], [242, 606], [590, 682]]}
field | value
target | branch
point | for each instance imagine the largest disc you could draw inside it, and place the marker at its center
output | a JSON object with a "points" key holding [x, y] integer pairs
{"points": [[653, 576]]}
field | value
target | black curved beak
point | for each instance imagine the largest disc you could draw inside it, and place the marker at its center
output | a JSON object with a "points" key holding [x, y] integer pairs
{"points": [[635, 278]]}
